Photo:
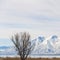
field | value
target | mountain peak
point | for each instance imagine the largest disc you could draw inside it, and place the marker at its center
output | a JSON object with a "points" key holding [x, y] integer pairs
{"points": [[54, 38], [41, 38]]}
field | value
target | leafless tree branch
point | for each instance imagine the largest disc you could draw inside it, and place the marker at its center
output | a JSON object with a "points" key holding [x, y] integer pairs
{"points": [[22, 43]]}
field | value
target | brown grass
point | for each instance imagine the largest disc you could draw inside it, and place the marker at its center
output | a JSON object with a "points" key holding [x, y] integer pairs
{"points": [[31, 59]]}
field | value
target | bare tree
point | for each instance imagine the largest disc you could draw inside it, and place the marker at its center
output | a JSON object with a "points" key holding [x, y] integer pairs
{"points": [[23, 45]]}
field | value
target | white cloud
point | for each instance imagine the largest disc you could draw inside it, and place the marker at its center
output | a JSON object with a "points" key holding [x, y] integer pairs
{"points": [[30, 12], [41, 7]]}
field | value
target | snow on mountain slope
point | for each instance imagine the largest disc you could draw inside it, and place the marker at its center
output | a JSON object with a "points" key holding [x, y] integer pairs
{"points": [[47, 46], [41, 44], [7, 50]]}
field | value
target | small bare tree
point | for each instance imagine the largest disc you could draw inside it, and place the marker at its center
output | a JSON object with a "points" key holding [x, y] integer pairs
{"points": [[23, 45]]}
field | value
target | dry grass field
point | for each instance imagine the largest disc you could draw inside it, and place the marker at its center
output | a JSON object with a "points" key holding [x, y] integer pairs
{"points": [[31, 59]]}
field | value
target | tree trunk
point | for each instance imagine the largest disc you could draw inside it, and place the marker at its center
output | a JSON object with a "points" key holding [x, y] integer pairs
{"points": [[23, 59]]}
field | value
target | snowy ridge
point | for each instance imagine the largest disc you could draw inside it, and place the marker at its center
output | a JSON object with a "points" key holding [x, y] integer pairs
{"points": [[42, 47], [47, 46]]}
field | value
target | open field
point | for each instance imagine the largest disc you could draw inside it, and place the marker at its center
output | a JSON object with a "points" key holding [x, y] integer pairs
{"points": [[31, 59]]}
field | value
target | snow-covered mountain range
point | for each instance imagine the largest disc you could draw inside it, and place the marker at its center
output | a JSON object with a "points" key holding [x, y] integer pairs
{"points": [[41, 44], [47, 46]]}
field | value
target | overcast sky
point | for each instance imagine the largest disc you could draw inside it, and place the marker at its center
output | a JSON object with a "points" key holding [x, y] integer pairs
{"points": [[38, 17]]}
